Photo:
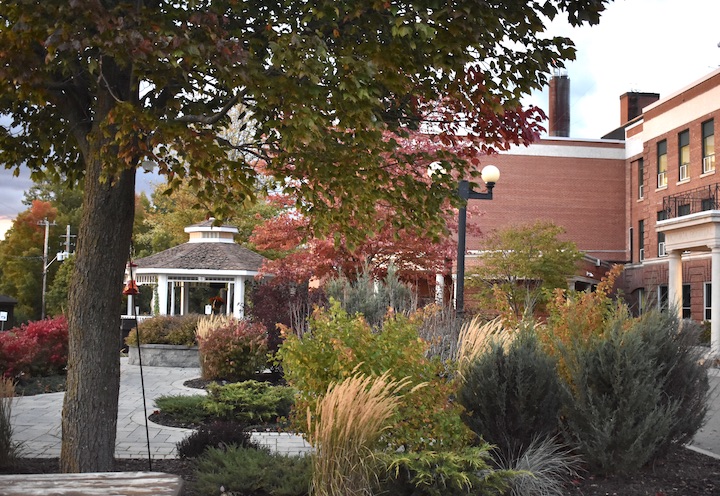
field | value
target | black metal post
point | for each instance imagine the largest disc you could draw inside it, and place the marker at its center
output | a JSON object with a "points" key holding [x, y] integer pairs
{"points": [[466, 193]]}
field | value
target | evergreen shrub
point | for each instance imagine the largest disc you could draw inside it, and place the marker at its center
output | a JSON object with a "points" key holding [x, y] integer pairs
{"points": [[617, 412], [241, 470], [218, 435], [439, 473], [249, 401], [513, 396]]}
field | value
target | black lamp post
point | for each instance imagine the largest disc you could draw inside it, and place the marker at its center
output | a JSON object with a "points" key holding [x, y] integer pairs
{"points": [[490, 175]]}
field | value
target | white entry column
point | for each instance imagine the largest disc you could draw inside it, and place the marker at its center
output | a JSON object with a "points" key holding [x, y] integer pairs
{"points": [[715, 302], [675, 282]]}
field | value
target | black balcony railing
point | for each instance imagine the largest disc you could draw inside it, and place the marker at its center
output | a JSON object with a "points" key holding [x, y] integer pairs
{"points": [[692, 201]]}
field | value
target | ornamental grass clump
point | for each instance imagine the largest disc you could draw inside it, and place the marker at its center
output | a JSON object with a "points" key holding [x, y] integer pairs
{"points": [[9, 449], [348, 423], [542, 469], [476, 337]]}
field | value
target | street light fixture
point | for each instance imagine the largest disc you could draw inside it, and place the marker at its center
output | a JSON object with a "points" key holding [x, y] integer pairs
{"points": [[490, 175]]}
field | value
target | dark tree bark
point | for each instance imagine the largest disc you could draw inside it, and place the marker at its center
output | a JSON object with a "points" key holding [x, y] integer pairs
{"points": [[89, 419]]}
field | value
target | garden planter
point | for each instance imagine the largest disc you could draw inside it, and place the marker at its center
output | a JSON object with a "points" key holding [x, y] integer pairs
{"points": [[164, 355]]}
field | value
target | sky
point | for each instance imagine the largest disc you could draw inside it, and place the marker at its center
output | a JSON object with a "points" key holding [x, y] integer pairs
{"points": [[654, 46]]}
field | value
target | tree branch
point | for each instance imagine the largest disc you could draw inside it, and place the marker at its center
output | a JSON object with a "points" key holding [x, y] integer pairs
{"points": [[210, 119]]}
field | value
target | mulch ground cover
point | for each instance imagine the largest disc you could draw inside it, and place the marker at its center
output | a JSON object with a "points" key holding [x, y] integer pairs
{"points": [[682, 472]]}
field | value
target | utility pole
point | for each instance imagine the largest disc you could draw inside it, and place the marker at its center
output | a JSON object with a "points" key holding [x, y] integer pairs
{"points": [[47, 225]]}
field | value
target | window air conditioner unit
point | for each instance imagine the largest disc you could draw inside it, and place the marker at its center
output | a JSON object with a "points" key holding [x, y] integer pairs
{"points": [[642, 254], [661, 249], [684, 171], [641, 191], [662, 179], [709, 163]]}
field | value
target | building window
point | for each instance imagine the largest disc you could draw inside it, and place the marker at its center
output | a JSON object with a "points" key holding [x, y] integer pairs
{"points": [[641, 239], [641, 179], [640, 301], [662, 297], [661, 215], [708, 146], [708, 300], [683, 210], [684, 155], [662, 164], [707, 204], [686, 310]]}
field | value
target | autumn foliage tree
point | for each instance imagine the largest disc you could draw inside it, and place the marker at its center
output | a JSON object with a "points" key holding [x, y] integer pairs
{"points": [[94, 88]]}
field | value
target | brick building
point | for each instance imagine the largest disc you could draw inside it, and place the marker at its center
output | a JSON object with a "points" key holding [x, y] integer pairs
{"points": [[644, 195]]}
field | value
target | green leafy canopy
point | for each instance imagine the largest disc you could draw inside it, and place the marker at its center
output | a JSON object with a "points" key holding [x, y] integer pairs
{"points": [[325, 87]]}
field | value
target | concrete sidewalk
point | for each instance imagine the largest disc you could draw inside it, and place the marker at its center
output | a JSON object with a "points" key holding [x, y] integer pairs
{"points": [[36, 419]]}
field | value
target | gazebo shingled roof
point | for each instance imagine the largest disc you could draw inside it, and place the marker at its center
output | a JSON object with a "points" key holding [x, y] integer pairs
{"points": [[204, 256]]}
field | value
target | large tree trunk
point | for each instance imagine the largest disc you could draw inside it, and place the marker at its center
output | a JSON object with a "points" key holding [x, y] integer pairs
{"points": [[89, 418]]}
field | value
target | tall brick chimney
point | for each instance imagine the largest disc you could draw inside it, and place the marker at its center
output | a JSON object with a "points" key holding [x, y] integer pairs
{"points": [[632, 103], [559, 118]]}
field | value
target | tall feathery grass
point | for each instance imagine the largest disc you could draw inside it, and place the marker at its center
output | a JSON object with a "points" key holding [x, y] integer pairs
{"points": [[348, 423], [206, 325], [8, 448], [475, 339]]}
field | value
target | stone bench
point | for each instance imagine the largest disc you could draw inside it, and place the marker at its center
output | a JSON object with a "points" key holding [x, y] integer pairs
{"points": [[92, 484]]}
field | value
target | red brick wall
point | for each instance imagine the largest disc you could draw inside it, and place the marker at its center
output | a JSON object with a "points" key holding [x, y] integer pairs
{"points": [[586, 196]]}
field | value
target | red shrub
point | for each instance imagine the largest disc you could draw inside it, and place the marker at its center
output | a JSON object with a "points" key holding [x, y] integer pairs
{"points": [[38, 348], [234, 351]]}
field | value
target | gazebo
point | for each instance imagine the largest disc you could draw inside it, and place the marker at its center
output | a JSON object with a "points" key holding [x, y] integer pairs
{"points": [[210, 263]]}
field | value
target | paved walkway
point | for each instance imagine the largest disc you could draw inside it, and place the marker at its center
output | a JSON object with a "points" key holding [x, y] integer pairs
{"points": [[36, 419]]}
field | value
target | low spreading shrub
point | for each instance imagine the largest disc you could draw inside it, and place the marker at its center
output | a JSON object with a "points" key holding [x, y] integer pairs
{"points": [[341, 346], [235, 350], [186, 409], [239, 470], [37, 349], [511, 396], [439, 473], [249, 401], [166, 329], [243, 402], [219, 435]]}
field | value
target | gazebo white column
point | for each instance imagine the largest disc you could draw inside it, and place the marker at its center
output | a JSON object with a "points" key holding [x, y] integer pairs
{"points": [[172, 297], [162, 292], [239, 298], [715, 302], [184, 298], [675, 282]]}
